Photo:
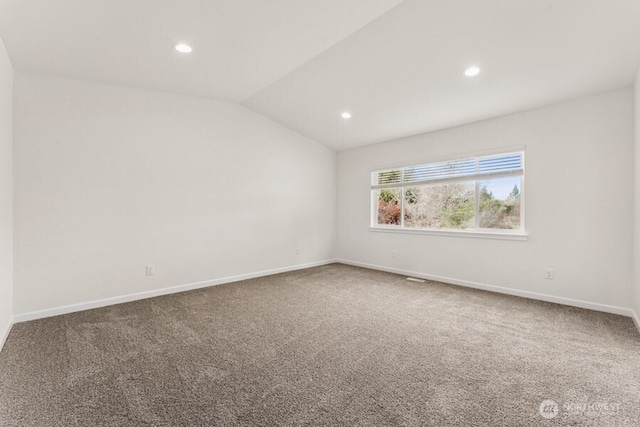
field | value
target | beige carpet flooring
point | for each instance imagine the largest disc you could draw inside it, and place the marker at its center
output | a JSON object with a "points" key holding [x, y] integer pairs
{"points": [[333, 345]]}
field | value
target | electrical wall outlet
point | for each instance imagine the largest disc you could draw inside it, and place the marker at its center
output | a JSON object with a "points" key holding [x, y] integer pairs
{"points": [[297, 251], [151, 270], [393, 254], [548, 274]]}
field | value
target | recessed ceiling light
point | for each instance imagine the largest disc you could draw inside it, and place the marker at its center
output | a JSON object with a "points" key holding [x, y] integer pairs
{"points": [[183, 48], [346, 115], [472, 71]]}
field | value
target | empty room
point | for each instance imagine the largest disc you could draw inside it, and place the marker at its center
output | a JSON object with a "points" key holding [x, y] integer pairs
{"points": [[319, 213]]}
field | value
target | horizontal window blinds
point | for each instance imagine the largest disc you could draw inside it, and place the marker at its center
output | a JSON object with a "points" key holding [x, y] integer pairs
{"points": [[510, 164]]}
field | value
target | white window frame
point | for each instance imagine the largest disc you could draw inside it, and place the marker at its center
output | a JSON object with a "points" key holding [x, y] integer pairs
{"points": [[435, 178]]}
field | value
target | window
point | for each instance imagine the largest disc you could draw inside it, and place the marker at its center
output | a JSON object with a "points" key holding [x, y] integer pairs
{"points": [[482, 194]]}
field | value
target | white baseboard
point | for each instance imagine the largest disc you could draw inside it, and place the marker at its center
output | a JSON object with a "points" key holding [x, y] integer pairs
{"points": [[5, 334], [636, 319], [24, 317], [503, 290], [72, 308]]}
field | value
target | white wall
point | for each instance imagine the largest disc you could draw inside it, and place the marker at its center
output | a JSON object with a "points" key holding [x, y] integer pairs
{"points": [[636, 214], [579, 174], [109, 179], [6, 193]]}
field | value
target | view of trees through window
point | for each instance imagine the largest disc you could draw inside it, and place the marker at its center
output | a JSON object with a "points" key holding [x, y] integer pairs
{"points": [[458, 204], [450, 206]]}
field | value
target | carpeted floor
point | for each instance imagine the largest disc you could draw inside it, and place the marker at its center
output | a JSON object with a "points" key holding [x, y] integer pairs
{"points": [[333, 345]]}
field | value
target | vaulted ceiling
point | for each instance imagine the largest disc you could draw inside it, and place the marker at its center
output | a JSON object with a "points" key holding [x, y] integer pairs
{"points": [[397, 66]]}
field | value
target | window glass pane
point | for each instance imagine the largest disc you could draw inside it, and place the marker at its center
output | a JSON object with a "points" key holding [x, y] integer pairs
{"points": [[500, 203], [389, 208], [450, 205]]}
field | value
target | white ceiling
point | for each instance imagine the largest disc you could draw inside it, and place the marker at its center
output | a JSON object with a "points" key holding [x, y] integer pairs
{"points": [[404, 73], [240, 46], [399, 70]]}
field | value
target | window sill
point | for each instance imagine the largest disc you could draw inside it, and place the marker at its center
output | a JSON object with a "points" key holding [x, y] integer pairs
{"points": [[455, 233]]}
